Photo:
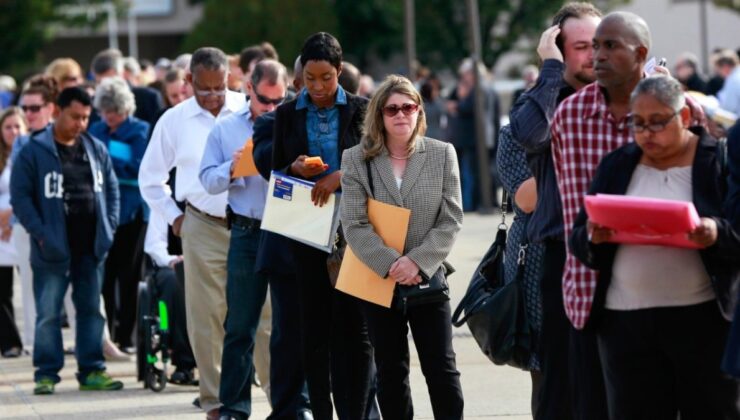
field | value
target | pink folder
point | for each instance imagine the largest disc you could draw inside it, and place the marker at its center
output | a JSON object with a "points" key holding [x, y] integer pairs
{"points": [[644, 221]]}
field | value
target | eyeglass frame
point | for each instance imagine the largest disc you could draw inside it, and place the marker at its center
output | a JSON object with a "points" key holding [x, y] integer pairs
{"points": [[267, 101], [410, 109], [34, 109], [209, 92], [657, 127]]}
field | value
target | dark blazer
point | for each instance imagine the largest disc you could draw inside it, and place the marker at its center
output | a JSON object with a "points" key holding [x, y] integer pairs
{"points": [[149, 104], [709, 190], [733, 163], [274, 255], [290, 138]]}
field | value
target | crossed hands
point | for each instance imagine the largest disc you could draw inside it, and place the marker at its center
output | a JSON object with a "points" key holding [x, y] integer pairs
{"points": [[405, 272]]}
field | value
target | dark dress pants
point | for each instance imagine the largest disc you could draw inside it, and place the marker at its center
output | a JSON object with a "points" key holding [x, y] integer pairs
{"points": [[554, 400], [9, 336], [123, 269], [660, 362], [171, 289], [431, 329], [331, 322]]}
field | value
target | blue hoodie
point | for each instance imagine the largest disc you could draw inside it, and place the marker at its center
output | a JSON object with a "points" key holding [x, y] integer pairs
{"points": [[36, 195]]}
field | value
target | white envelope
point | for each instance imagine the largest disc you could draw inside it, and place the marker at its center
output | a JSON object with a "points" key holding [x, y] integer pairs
{"points": [[290, 212]]}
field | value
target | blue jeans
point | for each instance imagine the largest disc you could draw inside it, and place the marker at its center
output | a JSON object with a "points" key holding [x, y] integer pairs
{"points": [[245, 294], [49, 287]]}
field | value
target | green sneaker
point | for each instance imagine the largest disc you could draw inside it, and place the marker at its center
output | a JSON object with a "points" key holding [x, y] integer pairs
{"points": [[44, 386], [100, 381]]}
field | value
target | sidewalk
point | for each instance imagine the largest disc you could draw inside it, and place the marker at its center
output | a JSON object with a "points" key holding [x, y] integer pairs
{"points": [[491, 392]]}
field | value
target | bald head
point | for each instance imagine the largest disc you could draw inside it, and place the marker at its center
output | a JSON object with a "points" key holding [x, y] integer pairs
{"points": [[632, 27], [298, 74]]}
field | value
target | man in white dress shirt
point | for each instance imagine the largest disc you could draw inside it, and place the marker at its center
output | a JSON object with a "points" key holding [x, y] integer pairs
{"points": [[178, 141]]}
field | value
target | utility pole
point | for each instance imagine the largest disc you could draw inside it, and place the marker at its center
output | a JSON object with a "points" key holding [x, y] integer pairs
{"points": [[484, 174], [410, 35]]}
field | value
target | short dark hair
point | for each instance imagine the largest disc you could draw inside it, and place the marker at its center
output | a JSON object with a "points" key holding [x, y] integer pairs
{"points": [[71, 94], [349, 78], [572, 10], [209, 58], [322, 46], [250, 54], [106, 60]]}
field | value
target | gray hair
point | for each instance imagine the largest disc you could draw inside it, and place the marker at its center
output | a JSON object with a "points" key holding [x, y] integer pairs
{"points": [[209, 58], [270, 70], [635, 27], [666, 90], [113, 94], [107, 60], [132, 65]]}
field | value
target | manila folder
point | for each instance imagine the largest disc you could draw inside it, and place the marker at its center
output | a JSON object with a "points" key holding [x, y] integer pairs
{"points": [[391, 223], [245, 165]]}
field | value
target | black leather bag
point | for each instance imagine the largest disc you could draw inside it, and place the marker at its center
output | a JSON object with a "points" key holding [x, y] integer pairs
{"points": [[495, 310], [430, 290]]}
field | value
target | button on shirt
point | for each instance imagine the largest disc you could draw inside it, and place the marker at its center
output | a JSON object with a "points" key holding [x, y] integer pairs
{"points": [[583, 132], [246, 195], [322, 128], [178, 140]]}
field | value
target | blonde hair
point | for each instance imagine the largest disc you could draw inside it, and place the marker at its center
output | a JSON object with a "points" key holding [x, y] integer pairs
{"points": [[61, 68], [374, 136]]}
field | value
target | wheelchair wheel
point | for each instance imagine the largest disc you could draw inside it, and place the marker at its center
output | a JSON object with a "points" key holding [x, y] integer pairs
{"points": [[156, 379], [143, 311]]}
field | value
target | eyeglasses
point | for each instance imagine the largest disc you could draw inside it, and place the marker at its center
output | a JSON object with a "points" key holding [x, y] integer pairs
{"points": [[267, 101], [221, 91], [407, 109], [653, 127], [31, 108]]}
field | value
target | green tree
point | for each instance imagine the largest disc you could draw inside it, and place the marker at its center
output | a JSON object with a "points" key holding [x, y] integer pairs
{"points": [[234, 24], [27, 25]]}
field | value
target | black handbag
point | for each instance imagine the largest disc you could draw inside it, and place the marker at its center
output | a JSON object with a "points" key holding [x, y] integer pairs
{"points": [[495, 310], [430, 290]]}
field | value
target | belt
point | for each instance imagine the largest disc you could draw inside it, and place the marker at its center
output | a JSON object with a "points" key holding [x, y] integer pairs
{"points": [[245, 222], [221, 220]]}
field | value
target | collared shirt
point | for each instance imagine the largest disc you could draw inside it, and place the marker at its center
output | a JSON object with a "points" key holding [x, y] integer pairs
{"points": [[530, 128], [322, 128], [247, 195], [155, 241], [729, 96], [583, 132], [178, 140]]}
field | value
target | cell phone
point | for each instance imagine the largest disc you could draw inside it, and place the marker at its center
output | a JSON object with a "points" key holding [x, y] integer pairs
{"points": [[314, 161], [652, 63]]}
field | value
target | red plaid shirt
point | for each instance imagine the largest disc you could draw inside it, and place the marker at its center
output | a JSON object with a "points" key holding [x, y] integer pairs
{"points": [[583, 132]]}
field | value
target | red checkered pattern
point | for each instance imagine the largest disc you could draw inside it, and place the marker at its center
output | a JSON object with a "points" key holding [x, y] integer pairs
{"points": [[583, 132]]}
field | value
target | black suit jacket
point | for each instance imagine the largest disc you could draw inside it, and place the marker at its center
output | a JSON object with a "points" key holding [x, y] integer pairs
{"points": [[149, 104], [290, 138], [709, 190]]}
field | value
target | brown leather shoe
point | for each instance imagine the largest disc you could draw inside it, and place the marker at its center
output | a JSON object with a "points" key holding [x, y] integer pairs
{"points": [[213, 414]]}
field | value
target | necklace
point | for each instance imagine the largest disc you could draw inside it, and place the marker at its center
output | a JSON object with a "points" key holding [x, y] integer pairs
{"points": [[398, 157]]}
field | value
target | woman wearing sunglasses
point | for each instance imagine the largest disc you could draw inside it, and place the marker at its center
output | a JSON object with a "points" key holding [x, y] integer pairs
{"points": [[421, 174], [662, 331]]}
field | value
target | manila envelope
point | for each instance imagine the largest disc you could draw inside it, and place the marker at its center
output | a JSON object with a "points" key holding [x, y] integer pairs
{"points": [[245, 165], [391, 223]]}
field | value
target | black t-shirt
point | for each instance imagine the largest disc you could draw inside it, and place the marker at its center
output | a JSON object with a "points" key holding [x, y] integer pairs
{"points": [[79, 197]]}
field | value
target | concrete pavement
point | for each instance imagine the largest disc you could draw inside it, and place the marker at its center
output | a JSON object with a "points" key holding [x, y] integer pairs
{"points": [[491, 392]]}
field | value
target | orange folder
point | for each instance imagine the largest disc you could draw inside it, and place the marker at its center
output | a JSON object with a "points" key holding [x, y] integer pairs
{"points": [[391, 223], [245, 165]]}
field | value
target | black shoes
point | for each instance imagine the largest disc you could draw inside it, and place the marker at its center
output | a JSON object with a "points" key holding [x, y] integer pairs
{"points": [[183, 377]]}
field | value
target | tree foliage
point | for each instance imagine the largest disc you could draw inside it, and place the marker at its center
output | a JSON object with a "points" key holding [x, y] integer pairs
{"points": [[733, 5], [27, 24], [234, 24]]}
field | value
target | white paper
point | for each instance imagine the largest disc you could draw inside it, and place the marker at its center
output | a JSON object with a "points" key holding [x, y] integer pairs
{"points": [[291, 213]]}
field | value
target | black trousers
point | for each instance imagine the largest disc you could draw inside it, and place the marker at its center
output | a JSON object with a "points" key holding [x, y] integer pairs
{"points": [[123, 269], [171, 289], [588, 392], [659, 362], [554, 398], [9, 336], [332, 323], [431, 329]]}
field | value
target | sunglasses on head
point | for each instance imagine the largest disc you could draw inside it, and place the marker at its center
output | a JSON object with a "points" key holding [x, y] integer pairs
{"points": [[268, 101], [407, 109], [31, 108]]}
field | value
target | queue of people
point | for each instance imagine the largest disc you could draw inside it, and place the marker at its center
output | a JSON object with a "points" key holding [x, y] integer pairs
{"points": [[621, 331]]}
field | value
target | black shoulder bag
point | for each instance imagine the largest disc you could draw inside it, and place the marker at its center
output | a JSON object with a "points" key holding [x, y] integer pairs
{"points": [[430, 290], [495, 310]]}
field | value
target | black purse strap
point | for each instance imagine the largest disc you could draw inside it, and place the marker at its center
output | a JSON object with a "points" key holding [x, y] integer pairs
{"points": [[370, 178]]}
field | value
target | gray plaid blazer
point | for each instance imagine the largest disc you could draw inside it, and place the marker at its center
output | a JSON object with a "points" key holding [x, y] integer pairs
{"points": [[430, 189]]}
